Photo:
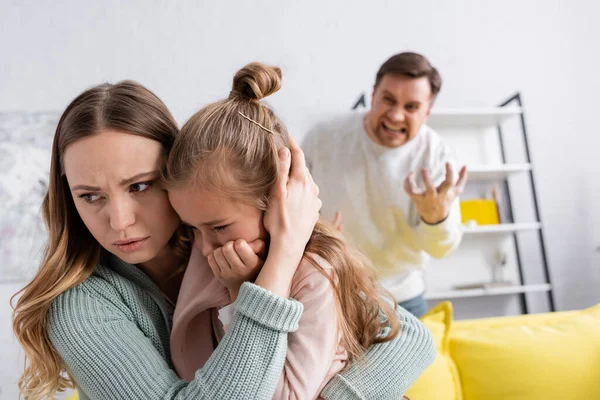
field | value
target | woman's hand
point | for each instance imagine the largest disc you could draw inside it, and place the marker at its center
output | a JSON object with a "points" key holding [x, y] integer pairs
{"points": [[290, 218], [237, 262], [294, 205]]}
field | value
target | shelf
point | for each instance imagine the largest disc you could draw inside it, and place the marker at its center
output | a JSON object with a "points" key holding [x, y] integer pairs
{"points": [[495, 172], [498, 291], [471, 117], [501, 228]]}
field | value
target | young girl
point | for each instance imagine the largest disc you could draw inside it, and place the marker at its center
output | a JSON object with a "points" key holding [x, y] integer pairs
{"points": [[219, 176]]}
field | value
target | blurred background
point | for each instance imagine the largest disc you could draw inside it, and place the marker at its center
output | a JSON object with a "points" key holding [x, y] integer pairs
{"points": [[188, 51]]}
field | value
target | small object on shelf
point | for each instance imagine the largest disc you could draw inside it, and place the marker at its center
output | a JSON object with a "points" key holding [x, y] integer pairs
{"points": [[499, 266], [480, 211]]}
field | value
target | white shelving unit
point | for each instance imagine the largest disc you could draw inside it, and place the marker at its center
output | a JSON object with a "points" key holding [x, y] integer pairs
{"points": [[495, 291], [477, 133], [486, 124], [501, 228], [496, 172], [471, 117]]}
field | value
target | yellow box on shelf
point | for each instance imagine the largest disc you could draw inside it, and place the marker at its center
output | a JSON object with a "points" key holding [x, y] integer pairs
{"points": [[482, 211]]}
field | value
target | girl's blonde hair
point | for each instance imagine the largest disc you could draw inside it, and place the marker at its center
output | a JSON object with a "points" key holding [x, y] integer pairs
{"points": [[230, 148], [72, 253]]}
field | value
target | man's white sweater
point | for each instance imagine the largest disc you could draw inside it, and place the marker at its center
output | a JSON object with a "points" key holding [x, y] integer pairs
{"points": [[365, 181]]}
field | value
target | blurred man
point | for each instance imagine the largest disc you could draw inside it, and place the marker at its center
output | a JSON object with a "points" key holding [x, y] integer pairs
{"points": [[392, 178]]}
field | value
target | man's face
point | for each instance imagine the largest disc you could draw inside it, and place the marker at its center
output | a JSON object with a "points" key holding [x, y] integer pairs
{"points": [[400, 106]]}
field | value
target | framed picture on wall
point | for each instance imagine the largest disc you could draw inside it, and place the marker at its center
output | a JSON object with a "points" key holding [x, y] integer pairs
{"points": [[25, 147]]}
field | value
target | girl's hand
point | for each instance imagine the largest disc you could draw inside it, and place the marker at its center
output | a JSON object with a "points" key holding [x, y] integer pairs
{"points": [[237, 262]]}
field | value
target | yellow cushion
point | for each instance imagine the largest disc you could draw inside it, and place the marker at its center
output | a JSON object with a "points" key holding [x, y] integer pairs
{"points": [[546, 356], [440, 381], [73, 396]]}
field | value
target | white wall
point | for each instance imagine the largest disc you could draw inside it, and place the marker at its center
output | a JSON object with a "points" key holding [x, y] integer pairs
{"points": [[188, 51], [11, 364]]}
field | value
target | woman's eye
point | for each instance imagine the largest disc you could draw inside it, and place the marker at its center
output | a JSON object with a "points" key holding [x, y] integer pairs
{"points": [[220, 228], [140, 187], [89, 198]]}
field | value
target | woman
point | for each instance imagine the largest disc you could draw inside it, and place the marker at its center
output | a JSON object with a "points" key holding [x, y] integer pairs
{"points": [[100, 307]]}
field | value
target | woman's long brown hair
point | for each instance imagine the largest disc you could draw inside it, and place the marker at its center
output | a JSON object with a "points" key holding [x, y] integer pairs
{"points": [[71, 253]]}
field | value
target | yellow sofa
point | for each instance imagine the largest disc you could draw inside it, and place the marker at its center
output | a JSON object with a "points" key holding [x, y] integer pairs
{"points": [[539, 356]]}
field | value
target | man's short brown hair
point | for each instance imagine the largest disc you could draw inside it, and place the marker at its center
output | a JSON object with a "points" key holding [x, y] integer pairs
{"points": [[412, 65]]}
